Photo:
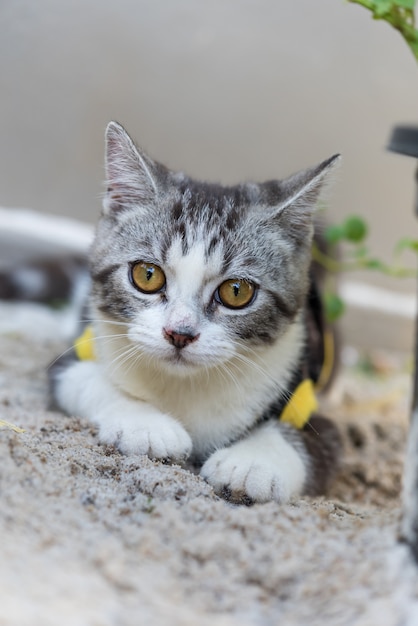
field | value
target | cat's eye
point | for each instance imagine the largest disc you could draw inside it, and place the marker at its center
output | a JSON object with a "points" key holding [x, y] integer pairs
{"points": [[147, 277], [236, 293]]}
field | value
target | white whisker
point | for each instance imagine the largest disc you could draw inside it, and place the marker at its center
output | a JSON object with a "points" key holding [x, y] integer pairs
{"points": [[86, 341], [257, 366], [124, 357], [226, 368]]}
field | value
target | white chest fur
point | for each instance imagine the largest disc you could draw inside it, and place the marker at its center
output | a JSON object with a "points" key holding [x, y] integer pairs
{"points": [[215, 405]]}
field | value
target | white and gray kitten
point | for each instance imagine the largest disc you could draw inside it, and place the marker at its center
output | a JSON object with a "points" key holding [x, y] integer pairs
{"points": [[199, 306]]}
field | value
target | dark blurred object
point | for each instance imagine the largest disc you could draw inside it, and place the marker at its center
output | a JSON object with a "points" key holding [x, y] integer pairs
{"points": [[48, 281], [404, 140]]}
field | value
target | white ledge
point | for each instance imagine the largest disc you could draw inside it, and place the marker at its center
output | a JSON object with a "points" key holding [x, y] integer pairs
{"points": [[371, 298], [51, 229]]}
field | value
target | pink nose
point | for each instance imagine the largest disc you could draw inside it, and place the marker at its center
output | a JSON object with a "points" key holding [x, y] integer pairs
{"points": [[180, 338]]}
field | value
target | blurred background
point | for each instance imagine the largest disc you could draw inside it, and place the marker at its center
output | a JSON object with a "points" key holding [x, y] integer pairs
{"points": [[225, 90]]}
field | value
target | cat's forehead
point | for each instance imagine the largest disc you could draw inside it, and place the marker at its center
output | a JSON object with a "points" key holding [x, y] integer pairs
{"points": [[205, 204], [193, 267], [191, 224], [199, 220]]}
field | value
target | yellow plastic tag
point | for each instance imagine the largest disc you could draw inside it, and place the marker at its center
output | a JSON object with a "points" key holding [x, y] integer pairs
{"points": [[84, 345], [301, 405]]}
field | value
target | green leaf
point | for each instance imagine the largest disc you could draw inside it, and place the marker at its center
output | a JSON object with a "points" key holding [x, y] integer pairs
{"points": [[381, 7], [375, 264], [407, 244], [405, 4], [355, 229], [360, 252], [334, 306], [333, 234]]}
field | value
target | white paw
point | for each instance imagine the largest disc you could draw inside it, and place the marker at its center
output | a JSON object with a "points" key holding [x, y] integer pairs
{"points": [[156, 435], [260, 468], [135, 427]]}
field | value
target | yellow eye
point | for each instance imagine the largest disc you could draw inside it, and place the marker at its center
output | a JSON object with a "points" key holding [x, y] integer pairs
{"points": [[147, 277], [236, 293]]}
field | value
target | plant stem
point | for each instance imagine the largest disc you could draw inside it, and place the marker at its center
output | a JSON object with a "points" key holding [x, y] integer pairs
{"points": [[330, 264], [336, 267], [400, 18]]}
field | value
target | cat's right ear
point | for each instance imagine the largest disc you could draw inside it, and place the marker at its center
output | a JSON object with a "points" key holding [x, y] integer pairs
{"points": [[129, 177]]}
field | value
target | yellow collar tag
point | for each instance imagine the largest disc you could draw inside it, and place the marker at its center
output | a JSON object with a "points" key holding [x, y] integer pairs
{"points": [[84, 345], [301, 405]]}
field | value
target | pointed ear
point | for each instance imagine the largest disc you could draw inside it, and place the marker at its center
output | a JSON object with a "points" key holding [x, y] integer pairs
{"points": [[304, 188], [296, 198], [129, 176]]}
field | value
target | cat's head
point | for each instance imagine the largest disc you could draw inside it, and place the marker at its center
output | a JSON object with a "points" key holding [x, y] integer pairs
{"points": [[197, 271]]}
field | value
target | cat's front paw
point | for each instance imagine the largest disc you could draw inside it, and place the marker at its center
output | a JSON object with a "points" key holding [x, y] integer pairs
{"points": [[256, 470], [134, 426], [159, 436]]}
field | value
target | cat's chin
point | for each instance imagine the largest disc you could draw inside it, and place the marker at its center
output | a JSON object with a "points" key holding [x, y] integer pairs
{"points": [[184, 365], [179, 366]]}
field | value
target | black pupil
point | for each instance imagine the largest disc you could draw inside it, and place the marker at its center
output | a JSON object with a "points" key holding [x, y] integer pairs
{"points": [[150, 273], [236, 287]]}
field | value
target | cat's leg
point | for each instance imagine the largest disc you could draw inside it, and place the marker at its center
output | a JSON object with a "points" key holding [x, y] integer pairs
{"points": [[135, 427], [274, 462], [324, 448]]}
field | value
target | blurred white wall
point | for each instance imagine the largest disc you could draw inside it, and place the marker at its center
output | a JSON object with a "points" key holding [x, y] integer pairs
{"points": [[225, 90]]}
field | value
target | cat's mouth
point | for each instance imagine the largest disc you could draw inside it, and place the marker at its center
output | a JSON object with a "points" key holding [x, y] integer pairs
{"points": [[183, 363], [182, 360], [186, 358]]}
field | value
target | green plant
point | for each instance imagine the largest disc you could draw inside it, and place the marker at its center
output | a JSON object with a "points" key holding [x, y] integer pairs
{"points": [[398, 13], [351, 235], [348, 251]]}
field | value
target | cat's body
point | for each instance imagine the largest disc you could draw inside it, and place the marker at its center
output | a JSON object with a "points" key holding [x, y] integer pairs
{"points": [[199, 307]]}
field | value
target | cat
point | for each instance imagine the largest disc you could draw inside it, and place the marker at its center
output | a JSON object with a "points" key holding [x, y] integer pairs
{"points": [[201, 300]]}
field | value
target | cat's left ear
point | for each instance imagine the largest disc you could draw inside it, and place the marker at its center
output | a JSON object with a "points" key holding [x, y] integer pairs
{"points": [[129, 176], [297, 196]]}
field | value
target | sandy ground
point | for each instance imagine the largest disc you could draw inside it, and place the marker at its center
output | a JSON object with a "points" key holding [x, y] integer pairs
{"points": [[89, 537]]}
